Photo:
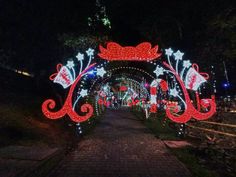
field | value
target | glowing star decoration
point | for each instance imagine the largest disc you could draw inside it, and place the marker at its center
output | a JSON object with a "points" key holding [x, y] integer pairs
{"points": [[189, 110], [80, 56], [188, 78], [106, 22], [70, 64], [83, 93], [90, 52], [101, 72], [187, 64], [174, 92], [67, 109], [169, 52], [159, 71], [178, 55]]}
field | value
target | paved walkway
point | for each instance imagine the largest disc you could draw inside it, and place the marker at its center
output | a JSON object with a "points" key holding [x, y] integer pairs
{"points": [[120, 146]]}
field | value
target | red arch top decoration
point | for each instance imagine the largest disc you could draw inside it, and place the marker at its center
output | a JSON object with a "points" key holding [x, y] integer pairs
{"points": [[141, 52]]}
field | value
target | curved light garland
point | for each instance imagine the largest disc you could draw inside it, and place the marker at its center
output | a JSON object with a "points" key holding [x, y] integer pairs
{"points": [[184, 76]]}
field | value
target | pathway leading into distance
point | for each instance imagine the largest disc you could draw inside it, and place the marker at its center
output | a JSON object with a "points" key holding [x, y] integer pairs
{"points": [[120, 146]]}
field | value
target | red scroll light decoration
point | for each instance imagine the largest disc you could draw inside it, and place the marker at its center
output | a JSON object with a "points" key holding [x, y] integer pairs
{"points": [[141, 52], [49, 104]]}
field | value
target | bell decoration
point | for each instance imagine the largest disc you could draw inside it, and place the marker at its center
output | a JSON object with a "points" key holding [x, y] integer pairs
{"points": [[194, 79], [63, 76]]}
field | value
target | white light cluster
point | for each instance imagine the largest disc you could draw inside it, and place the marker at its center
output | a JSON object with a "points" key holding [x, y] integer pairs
{"points": [[178, 55], [83, 93], [159, 71], [101, 72]]}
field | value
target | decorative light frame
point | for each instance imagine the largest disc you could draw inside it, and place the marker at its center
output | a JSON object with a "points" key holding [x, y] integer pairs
{"points": [[186, 76]]}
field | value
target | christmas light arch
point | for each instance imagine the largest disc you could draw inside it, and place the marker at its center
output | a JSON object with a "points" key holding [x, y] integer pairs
{"points": [[117, 76], [181, 75], [136, 86]]}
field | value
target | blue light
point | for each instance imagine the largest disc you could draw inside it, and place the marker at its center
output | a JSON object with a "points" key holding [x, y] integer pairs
{"points": [[226, 85], [91, 72]]}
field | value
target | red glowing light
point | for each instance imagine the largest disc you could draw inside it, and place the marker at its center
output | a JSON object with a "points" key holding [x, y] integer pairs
{"points": [[100, 101], [141, 52], [123, 88], [153, 108], [164, 85], [153, 90], [190, 110], [68, 106]]}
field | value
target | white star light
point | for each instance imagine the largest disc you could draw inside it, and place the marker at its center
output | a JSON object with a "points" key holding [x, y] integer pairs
{"points": [[169, 52], [159, 71], [178, 55], [101, 72], [187, 64], [80, 56], [90, 52], [83, 93], [70, 64], [106, 21], [174, 92]]}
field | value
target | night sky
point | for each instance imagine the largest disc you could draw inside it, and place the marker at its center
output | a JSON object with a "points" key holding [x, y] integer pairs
{"points": [[29, 29]]}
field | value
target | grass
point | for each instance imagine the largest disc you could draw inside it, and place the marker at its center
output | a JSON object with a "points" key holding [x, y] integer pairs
{"points": [[22, 122], [158, 124], [190, 159]]}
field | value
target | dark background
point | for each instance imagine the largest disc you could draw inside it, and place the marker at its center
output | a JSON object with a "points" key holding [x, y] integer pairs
{"points": [[30, 31]]}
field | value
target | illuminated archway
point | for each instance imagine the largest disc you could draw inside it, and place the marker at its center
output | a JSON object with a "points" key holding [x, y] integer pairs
{"points": [[180, 77]]}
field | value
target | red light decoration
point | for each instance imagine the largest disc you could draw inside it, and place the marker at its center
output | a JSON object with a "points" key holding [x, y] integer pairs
{"points": [[68, 106], [100, 101], [153, 108], [190, 110], [141, 52], [123, 88], [153, 99], [164, 85], [173, 106], [153, 90]]}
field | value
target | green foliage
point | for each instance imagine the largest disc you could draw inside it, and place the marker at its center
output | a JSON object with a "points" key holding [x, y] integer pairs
{"points": [[22, 122], [191, 161], [160, 126], [223, 25], [82, 41]]}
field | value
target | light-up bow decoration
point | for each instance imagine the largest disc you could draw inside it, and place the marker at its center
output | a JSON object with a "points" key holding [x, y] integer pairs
{"points": [[141, 52], [188, 78], [66, 76]]}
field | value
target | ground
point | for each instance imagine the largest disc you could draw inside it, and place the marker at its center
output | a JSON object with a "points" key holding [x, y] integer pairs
{"points": [[120, 145]]}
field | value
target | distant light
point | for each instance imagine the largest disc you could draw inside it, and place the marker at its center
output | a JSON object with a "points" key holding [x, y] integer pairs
{"points": [[226, 85], [24, 73], [91, 72], [146, 85]]}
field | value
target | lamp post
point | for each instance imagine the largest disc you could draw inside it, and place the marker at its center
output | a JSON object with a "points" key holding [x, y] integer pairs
{"points": [[227, 84]]}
